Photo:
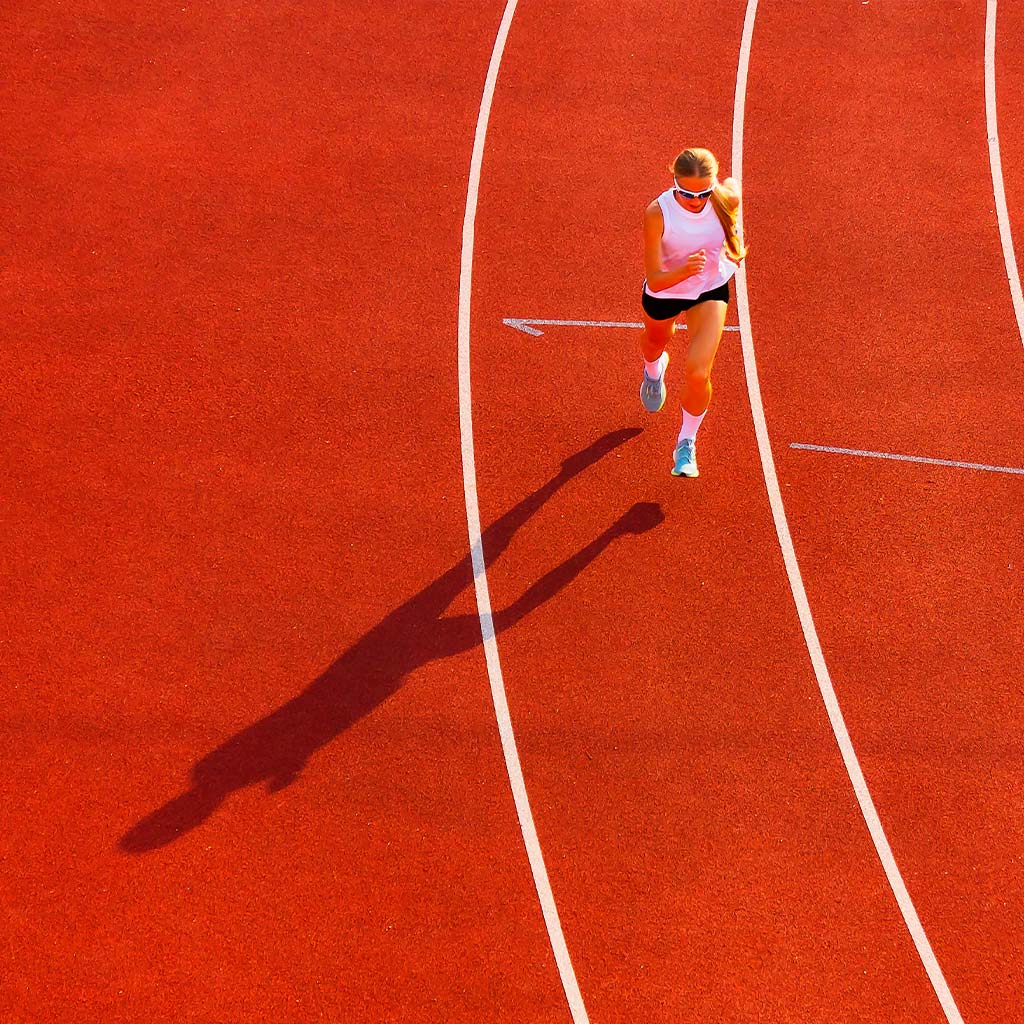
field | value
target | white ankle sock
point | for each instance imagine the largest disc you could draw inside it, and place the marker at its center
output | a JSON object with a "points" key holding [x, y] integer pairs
{"points": [[654, 370], [691, 424]]}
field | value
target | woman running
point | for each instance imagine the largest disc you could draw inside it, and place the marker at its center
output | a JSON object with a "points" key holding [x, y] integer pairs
{"points": [[691, 249]]}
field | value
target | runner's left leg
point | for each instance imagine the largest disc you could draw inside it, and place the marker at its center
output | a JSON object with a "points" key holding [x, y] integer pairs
{"points": [[704, 325]]}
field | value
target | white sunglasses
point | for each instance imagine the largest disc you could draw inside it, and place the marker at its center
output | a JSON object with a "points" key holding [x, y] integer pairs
{"points": [[686, 194]]}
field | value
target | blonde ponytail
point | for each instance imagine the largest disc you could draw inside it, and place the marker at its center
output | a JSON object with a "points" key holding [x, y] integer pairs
{"points": [[729, 218]]}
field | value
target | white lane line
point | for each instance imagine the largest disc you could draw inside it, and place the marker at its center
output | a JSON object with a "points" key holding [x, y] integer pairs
{"points": [[483, 598], [992, 126], [522, 324], [828, 694], [907, 458]]}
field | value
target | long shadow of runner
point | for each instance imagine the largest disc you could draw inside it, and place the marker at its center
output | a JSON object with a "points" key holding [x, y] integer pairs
{"points": [[276, 748]]}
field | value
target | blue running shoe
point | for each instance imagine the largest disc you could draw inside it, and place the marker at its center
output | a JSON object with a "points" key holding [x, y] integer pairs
{"points": [[652, 392], [685, 458]]}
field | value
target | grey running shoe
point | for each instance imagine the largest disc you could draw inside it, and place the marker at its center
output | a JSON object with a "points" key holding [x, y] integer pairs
{"points": [[652, 392], [685, 458]]}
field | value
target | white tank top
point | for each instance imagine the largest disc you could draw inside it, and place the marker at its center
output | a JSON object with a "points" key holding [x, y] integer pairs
{"points": [[684, 233]]}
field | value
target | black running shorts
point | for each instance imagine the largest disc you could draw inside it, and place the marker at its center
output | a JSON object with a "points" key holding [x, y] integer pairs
{"points": [[669, 309]]}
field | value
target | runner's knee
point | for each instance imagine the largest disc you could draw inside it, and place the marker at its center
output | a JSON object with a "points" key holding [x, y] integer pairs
{"points": [[698, 376], [656, 337], [659, 330]]}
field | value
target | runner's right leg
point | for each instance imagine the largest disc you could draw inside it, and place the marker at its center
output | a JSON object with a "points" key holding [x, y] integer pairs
{"points": [[657, 334]]}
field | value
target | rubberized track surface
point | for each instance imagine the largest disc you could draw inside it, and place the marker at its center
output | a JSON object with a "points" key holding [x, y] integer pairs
{"points": [[253, 770]]}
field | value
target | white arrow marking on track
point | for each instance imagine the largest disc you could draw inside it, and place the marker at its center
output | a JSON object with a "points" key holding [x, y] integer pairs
{"points": [[521, 324]]}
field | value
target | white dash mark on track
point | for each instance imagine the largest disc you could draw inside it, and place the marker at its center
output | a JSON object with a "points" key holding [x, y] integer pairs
{"points": [[907, 458]]}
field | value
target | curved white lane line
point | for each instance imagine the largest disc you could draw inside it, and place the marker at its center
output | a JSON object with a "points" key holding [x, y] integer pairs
{"points": [[835, 716], [992, 127], [483, 598]]}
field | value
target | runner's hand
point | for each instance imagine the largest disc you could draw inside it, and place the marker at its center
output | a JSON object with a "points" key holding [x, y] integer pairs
{"points": [[695, 264]]}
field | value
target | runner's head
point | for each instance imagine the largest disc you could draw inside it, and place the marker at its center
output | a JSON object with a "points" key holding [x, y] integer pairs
{"points": [[695, 171], [695, 163]]}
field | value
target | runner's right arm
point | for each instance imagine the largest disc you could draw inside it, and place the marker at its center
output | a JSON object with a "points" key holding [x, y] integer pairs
{"points": [[658, 278]]}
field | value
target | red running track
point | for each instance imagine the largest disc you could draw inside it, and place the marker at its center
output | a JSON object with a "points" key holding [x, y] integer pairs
{"points": [[216, 501], [238, 542]]}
